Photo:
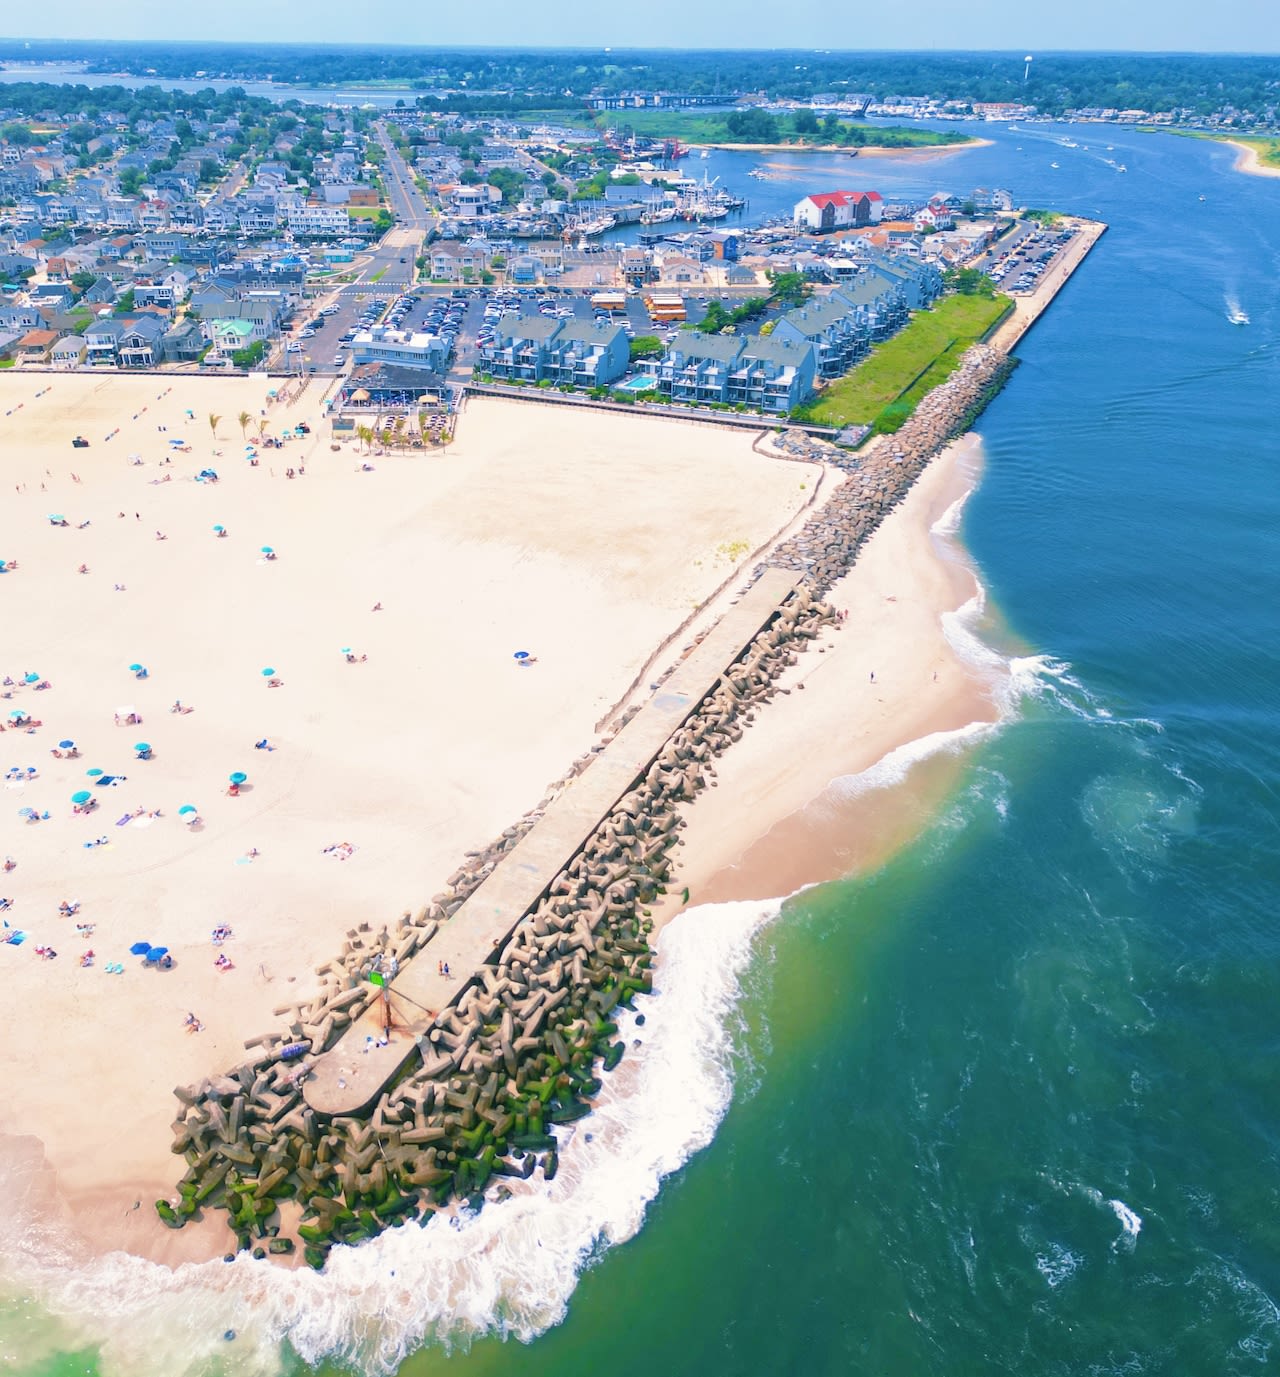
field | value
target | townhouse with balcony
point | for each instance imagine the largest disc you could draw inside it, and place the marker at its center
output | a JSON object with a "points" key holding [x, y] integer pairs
{"points": [[878, 304], [587, 353], [696, 368], [838, 337], [521, 348], [772, 374]]}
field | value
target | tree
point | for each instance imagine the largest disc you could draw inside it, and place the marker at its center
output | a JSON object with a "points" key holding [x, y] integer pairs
{"points": [[213, 424], [645, 347], [82, 281], [245, 418], [210, 170], [969, 282], [804, 122]]}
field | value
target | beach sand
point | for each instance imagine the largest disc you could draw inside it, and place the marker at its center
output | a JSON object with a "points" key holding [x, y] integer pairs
{"points": [[584, 538], [1248, 160], [798, 799]]}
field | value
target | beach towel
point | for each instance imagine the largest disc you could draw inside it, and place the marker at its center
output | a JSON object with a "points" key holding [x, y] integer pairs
{"points": [[124, 821], [15, 937]]}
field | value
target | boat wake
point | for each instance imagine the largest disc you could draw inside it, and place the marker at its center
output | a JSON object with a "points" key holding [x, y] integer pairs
{"points": [[1236, 313]]}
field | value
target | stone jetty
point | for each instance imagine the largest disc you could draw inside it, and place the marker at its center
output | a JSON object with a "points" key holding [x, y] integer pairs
{"points": [[520, 1047]]}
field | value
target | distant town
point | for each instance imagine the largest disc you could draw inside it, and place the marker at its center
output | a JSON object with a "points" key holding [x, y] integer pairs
{"points": [[408, 254]]}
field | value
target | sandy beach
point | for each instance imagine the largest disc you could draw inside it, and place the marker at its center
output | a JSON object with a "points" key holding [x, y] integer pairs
{"points": [[585, 539], [1248, 160], [787, 811]]}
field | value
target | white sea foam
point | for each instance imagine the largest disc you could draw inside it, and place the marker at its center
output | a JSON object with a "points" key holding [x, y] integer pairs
{"points": [[1057, 1263], [508, 1269], [1130, 1222]]}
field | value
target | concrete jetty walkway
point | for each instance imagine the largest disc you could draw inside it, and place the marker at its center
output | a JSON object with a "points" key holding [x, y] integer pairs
{"points": [[349, 1077]]}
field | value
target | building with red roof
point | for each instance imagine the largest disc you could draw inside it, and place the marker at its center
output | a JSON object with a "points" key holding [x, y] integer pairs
{"points": [[832, 210]]}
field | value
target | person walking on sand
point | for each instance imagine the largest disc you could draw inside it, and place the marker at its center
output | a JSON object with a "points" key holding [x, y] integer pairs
{"points": [[873, 676]]}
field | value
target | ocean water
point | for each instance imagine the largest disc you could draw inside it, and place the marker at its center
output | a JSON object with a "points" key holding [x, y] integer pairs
{"points": [[1007, 1105]]}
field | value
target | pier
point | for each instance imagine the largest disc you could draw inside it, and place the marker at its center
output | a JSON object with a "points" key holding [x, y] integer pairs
{"points": [[353, 1073]]}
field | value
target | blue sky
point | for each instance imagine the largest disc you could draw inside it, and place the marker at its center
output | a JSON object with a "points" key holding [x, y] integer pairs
{"points": [[1162, 25]]}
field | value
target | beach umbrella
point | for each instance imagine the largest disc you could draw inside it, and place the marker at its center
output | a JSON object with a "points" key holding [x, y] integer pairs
{"points": [[56, 516], [219, 529], [133, 669], [239, 777], [521, 655], [268, 672], [140, 949], [267, 550], [26, 812], [94, 773], [186, 810], [346, 650], [155, 953], [17, 714], [30, 678], [65, 745], [142, 745], [81, 796]]}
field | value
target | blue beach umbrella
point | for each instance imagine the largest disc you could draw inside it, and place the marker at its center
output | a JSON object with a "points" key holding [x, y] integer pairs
{"points": [[139, 948], [65, 745], [239, 777], [521, 655], [268, 672], [155, 953], [186, 810], [17, 713], [94, 773], [81, 796], [219, 529], [26, 812], [56, 516], [133, 669], [267, 550], [142, 745], [30, 678]]}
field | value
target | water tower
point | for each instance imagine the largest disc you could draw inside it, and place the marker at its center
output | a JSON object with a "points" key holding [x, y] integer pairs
{"points": [[1026, 71]]}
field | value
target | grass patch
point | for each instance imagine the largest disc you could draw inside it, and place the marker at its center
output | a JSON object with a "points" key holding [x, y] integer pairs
{"points": [[379, 275], [364, 212], [692, 127], [1268, 148], [886, 387]]}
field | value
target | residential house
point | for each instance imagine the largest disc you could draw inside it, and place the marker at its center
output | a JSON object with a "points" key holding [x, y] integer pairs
{"points": [[230, 333], [315, 218], [34, 346], [772, 374], [102, 340], [936, 215], [832, 210], [260, 315], [457, 262], [46, 293], [67, 352], [183, 342], [102, 293]]}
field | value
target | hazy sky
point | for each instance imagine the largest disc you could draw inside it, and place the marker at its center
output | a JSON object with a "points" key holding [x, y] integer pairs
{"points": [[1180, 25]]}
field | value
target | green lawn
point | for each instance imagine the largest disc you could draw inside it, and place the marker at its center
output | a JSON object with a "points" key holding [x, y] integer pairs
{"points": [[887, 385], [1268, 149], [364, 212]]}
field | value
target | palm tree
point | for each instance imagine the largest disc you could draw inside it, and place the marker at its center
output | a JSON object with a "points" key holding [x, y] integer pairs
{"points": [[365, 436], [263, 427], [213, 424], [245, 420], [399, 429]]}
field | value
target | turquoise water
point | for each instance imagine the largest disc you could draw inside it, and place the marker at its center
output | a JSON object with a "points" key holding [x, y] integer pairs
{"points": [[1007, 1105]]}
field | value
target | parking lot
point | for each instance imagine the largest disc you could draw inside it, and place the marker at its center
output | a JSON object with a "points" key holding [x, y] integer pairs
{"points": [[1018, 262], [320, 338]]}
